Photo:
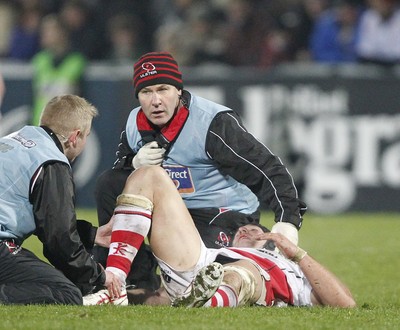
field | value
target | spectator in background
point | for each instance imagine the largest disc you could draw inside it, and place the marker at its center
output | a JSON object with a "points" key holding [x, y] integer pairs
{"points": [[379, 40], [57, 69], [298, 20], [274, 48], [177, 11], [248, 28], [335, 32], [122, 32], [195, 38], [7, 21], [86, 36], [176, 32], [143, 10], [25, 36], [208, 31]]}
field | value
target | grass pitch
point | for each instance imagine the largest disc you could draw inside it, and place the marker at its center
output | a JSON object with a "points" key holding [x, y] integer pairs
{"points": [[361, 249]]}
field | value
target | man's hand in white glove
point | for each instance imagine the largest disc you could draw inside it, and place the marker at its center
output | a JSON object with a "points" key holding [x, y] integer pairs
{"points": [[149, 154], [288, 230]]}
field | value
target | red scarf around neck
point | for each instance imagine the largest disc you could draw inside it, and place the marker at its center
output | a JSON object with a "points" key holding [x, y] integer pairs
{"points": [[168, 134]]}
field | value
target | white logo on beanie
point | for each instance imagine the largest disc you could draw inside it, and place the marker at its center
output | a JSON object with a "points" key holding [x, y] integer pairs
{"points": [[149, 68]]}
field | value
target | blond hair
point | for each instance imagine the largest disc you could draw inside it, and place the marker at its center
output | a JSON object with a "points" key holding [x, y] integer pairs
{"points": [[66, 113]]}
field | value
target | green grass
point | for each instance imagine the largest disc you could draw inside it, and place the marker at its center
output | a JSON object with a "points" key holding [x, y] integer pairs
{"points": [[362, 249]]}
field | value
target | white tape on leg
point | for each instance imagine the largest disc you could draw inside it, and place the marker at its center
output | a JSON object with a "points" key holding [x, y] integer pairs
{"points": [[135, 200]]}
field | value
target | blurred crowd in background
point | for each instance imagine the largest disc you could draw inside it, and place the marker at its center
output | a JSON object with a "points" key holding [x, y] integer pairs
{"points": [[257, 33]]}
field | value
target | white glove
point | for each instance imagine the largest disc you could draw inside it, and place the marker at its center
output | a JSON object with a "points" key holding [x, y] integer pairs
{"points": [[288, 230], [149, 154]]}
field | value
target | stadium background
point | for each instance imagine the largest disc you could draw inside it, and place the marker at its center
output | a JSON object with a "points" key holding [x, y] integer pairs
{"points": [[334, 122], [336, 127]]}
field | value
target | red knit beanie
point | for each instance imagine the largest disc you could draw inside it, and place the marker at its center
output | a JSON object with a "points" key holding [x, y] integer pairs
{"points": [[156, 68]]}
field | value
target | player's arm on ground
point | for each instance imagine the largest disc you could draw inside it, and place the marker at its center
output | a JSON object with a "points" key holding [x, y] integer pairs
{"points": [[327, 289]]}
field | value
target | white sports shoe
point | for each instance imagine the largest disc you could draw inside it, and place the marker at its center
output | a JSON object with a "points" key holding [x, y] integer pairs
{"points": [[204, 286], [102, 297]]}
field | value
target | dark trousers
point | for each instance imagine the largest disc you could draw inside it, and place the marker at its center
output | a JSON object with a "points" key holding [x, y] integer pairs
{"points": [[25, 279], [217, 227]]}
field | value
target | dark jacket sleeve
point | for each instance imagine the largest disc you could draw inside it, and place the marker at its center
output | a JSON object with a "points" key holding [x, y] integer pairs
{"points": [[53, 200], [87, 233], [240, 155], [124, 154]]}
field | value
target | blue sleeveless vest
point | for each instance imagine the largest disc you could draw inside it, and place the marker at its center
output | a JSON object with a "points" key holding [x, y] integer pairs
{"points": [[21, 154]]}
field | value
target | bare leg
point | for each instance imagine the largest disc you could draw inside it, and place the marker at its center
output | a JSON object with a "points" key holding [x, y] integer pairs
{"points": [[174, 237]]}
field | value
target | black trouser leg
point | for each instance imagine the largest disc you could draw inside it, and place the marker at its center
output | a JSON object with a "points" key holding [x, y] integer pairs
{"points": [[25, 279], [217, 228], [108, 186]]}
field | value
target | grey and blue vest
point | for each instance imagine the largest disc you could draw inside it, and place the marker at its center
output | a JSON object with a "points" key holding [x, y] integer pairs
{"points": [[21, 155]]}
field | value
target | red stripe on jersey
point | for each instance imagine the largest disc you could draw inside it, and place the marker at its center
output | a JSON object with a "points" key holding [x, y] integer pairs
{"points": [[277, 287]]}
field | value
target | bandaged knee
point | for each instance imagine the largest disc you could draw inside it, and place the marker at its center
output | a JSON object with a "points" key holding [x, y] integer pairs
{"points": [[248, 284], [135, 200]]}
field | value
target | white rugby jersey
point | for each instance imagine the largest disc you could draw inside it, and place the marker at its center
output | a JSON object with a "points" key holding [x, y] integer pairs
{"points": [[284, 280], [285, 283]]}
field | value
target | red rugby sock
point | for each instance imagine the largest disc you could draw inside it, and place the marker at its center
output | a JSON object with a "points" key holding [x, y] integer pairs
{"points": [[224, 297], [131, 226]]}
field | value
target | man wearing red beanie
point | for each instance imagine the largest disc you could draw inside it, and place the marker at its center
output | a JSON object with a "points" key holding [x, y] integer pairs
{"points": [[221, 171]]}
